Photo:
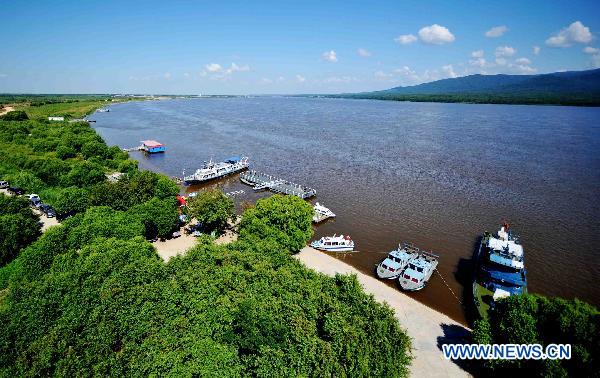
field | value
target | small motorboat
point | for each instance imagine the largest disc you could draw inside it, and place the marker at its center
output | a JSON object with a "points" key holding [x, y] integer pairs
{"points": [[334, 243], [396, 261], [419, 271], [322, 213]]}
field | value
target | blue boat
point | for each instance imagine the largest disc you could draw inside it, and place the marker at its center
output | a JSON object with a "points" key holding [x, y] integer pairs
{"points": [[500, 269], [152, 146]]}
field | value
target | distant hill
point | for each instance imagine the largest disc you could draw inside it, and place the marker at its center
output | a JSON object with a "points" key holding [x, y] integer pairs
{"points": [[566, 88]]}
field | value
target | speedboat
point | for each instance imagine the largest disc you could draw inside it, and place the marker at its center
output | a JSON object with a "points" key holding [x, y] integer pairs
{"points": [[321, 213], [334, 243], [500, 270], [396, 261], [418, 272]]}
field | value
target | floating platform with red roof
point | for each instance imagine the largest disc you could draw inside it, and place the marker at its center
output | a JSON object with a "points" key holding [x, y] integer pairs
{"points": [[152, 146]]}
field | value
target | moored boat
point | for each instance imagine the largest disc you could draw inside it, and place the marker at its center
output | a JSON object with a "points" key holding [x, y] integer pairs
{"points": [[500, 269], [419, 271], [321, 213], [211, 170], [396, 261], [334, 243]]}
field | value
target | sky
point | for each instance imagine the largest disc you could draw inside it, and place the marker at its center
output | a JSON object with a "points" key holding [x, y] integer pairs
{"points": [[284, 47]]}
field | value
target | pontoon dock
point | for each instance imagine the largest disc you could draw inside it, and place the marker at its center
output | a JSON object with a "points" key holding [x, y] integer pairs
{"points": [[262, 181]]}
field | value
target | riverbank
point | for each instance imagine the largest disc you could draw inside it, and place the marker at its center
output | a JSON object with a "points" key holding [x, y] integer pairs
{"points": [[428, 328]]}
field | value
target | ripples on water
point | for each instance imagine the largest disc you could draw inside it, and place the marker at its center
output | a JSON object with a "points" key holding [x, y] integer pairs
{"points": [[435, 174]]}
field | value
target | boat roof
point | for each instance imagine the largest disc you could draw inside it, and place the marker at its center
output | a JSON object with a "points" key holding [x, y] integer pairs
{"points": [[515, 278], [502, 245], [152, 143], [233, 159], [336, 237]]}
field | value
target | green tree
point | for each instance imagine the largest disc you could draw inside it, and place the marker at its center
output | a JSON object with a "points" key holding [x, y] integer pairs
{"points": [[65, 152], [15, 115], [159, 217], [284, 219], [212, 209], [19, 227]]}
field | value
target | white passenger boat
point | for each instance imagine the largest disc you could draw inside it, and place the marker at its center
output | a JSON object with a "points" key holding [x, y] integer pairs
{"points": [[396, 261], [418, 272], [334, 243], [322, 213], [212, 170]]}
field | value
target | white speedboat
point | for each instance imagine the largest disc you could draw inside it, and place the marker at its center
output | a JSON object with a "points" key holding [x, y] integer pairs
{"points": [[418, 272], [334, 243], [396, 261], [212, 170], [321, 213]]}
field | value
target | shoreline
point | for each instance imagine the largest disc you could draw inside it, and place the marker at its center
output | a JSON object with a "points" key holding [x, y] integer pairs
{"points": [[427, 327]]}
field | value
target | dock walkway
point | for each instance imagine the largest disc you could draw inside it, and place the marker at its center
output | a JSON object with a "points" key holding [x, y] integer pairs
{"points": [[261, 181]]}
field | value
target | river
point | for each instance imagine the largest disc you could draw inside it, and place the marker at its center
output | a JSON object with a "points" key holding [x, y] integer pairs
{"points": [[434, 174]]}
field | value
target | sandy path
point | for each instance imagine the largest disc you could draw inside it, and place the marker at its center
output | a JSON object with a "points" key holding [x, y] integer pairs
{"points": [[172, 247], [427, 327], [6, 109]]}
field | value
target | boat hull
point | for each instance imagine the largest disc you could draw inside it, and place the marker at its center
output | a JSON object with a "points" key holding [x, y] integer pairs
{"points": [[333, 249]]}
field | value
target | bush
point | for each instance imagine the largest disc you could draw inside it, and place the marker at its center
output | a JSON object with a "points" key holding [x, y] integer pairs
{"points": [[212, 209], [15, 115], [159, 217], [65, 152], [529, 319], [19, 227], [285, 219]]}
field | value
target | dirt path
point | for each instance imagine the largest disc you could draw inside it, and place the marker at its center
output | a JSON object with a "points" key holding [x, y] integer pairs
{"points": [[427, 327], [6, 109]]}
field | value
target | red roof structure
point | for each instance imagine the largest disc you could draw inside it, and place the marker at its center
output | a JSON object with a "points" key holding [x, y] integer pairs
{"points": [[181, 200], [151, 143]]}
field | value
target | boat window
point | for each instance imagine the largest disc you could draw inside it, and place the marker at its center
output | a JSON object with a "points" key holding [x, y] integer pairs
{"points": [[411, 266], [420, 270]]}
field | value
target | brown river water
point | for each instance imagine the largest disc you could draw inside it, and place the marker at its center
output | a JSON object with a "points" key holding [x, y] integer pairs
{"points": [[437, 175]]}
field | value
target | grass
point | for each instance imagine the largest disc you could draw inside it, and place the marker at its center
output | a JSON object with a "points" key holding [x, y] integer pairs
{"points": [[68, 109]]}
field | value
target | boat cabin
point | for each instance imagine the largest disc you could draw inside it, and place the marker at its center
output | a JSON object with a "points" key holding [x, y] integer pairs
{"points": [[152, 146]]}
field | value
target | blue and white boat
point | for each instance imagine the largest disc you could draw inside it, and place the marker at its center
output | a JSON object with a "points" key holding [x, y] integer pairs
{"points": [[500, 270], [334, 243], [396, 261], [211, 170]]}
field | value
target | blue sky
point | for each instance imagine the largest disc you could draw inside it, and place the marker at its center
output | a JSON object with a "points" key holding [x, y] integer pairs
{"points": [[191, 47]]}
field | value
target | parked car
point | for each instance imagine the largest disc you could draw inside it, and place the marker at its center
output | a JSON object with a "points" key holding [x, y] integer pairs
{"points": [[176, 234], [48, 210], [35, 203], [4, 184], [34, 197], [16, 190]]}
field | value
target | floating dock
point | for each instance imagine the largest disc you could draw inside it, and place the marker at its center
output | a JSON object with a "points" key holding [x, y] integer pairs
{"points": [[263, 181]]}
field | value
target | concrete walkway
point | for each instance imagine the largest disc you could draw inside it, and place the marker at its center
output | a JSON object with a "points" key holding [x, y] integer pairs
{"points": [[428, 328]]}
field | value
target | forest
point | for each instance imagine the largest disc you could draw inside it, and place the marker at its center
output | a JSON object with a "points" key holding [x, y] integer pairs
{"points": [[92, 297]]}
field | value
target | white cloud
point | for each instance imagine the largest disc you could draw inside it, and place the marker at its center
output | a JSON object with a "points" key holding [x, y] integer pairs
{"points": [[501, 61], [330, 56], [167, 75], [448, 71], [596, 61], [523, 61], [186, 74], [574, 33], [281, 78], [536, 50], [478, 62], [266, 80], [300, 78], [405, 39], [591, 50], [235, 68], [505, 51], [477, 54], [407, 73], [522, 69], [436, 35], [380, 75], [3, 75], [340, 79], [363, 52], [213, 67], [496, 31]]}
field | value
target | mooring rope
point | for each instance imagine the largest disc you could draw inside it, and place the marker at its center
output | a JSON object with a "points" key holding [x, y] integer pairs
{"points": [[448, 286]]}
